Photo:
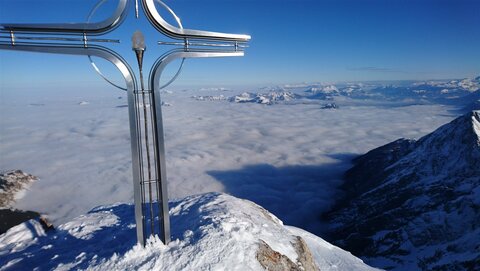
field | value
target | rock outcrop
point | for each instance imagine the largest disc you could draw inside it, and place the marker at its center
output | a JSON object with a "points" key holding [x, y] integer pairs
{"points": [[12, 185], [414, 205]]}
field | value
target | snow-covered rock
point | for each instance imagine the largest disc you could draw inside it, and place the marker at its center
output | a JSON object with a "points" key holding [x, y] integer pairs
{"points": [[12, 185], [209, 98], [264, 98], [444, 92], [468, 84], [414, 205], [209, 232], [326, 89]]}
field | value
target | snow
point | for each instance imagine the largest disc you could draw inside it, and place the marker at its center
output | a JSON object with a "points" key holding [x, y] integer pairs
{"points": [[330, 89], [476, 124], [212, 231], [269, 98], [14, 185], [468, 84], [82, 227], [209, 98], [328, 256], [433, 222], [20, 237]]}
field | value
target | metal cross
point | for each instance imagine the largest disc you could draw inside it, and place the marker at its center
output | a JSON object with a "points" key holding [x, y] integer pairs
{"points": [[144, 104]]}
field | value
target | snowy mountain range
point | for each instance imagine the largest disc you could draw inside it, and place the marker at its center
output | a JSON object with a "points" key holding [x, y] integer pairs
{"points": [[444, 92], [464, 92], [212, 231], [413, 205], [264, 98]]}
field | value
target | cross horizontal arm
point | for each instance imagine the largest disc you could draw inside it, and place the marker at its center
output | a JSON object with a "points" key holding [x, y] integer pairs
{"points": [[203, 44], [59, 39], [98, 28], [178, 33]]}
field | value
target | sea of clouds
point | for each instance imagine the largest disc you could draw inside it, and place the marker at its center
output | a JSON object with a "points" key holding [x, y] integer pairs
{"points": [[288, 157]]}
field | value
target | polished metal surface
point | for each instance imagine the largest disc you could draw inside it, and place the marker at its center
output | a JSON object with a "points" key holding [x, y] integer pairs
{"points": [[38, 38], [25, 37], [130, 82], [98, 28], [154, 81], [177, 33], [136, 9], [188, 43], [179, 23], [94, 65]]}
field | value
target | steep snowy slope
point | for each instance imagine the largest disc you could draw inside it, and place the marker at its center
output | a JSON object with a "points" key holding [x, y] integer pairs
{"points": [[414, 205], [210, 232]]}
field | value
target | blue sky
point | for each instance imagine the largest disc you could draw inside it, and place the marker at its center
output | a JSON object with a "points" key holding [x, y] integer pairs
{"points": [[292, 41]]}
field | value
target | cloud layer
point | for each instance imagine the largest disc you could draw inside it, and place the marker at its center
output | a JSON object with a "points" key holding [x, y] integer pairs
{"points": [[287, 157]]}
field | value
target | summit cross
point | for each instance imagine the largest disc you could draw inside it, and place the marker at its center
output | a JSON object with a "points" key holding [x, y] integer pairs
{"points": [[144, 103]]}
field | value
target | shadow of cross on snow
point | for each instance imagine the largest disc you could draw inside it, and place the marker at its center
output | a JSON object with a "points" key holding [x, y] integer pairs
{"points": [[93, 238], [296, 194], [74, 244]]}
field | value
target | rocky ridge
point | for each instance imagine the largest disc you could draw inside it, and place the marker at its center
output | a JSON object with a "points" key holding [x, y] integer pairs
{"points": [[212, 231], [415, 205]]}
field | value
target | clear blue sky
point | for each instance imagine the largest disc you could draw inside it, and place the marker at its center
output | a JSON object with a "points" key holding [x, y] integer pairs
{"points": [[292, 41]]}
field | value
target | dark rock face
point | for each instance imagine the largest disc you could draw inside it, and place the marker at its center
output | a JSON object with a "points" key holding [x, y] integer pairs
{"points": [[330, 106], [10, 218], [415, 205]]}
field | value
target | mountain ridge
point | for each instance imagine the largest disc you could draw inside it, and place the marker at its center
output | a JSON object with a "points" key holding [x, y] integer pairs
{"points": [[409, 204], [212, 231]]}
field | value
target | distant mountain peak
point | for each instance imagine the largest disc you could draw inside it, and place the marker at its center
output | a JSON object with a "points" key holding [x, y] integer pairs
{"points": [[446, 149], [415, 204]]}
